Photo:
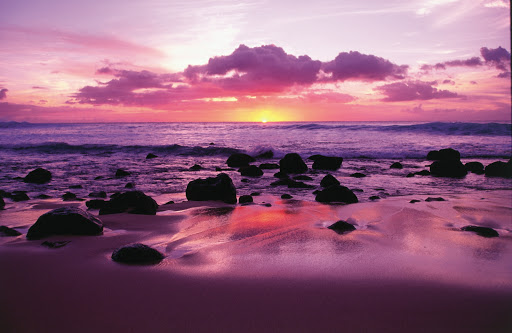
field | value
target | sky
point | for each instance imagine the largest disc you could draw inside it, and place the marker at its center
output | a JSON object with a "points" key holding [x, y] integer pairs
{"points": [[258, 60]]}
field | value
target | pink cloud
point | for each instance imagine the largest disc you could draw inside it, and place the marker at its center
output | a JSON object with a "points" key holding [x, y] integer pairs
{"points": [[3, 93], [413, 90], [498, 57]]}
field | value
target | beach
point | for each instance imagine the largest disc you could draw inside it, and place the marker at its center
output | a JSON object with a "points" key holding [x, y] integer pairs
{"points": [[406, 268]]}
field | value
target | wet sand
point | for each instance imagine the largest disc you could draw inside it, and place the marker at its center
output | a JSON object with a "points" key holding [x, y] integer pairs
{"points": [[232, 268]]}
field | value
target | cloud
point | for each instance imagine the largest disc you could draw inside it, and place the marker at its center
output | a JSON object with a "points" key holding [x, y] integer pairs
{"points": [[356, 66], [504, 75], [498, 57], [413, 90], [449, 82], [3, 93], [471, 62]]}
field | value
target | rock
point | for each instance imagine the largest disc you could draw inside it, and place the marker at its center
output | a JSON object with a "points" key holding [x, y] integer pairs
{"points": [[217, 188], [100, 194], [422, 173], [55, 245], [8, 232], [342, 227], [326, 162], [410, 174], [244, 180], [251, 171], [195, 167], [430, 199], [170, 202], [2, 203], [267, 205], [358, 175], [133, 202], [329, 180], [68, 196], [150, 156], [255, 194], [76, 186], [129, 185], [19, 196], [448, 168], [115, 194], [499, 169], [266, 154], [374, 197], [238, 160], [336, 193], [448, 154], [98, 177], [122, 173], [269, 166], [302, 177], [95, 204], [396, 165], [281, 175], [414, 201], [481, 231], [137, 254], [38, 176], [43, 196], [379, 189], [286, 196], [475, 167], [65, 221], [292, 163], [245, 199], [357, 190]]}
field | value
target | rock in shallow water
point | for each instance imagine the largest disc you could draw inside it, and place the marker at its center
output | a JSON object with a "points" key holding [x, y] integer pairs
{"points": [[326, 162], [251, 171], [38, 176], [448, 168], [137, 254], [342, 227], [218, 188], [238, 160], [329, 180], [499, 169], [9, 232], [133, 202], [336, 193], [245, 199], [65, 221], [292, 163], [481, 231]]}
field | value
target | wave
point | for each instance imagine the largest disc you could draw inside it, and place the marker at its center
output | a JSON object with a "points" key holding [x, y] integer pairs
{"points": [[65, 148]]}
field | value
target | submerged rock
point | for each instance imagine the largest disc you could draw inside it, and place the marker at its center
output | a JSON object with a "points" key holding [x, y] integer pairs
{"points": [[8, 232], [137, 254], [292, 163], [65, 221], [342, 227], [38, 176], [213, 188], [499, 169], [238, 160], [336, 193], [396, 165], [122, 173], [133, 202], [329, 180], [150, 156], [251, 171], [326, 162], [481, 231], [245, 199], [358, 175], [195, 167]]}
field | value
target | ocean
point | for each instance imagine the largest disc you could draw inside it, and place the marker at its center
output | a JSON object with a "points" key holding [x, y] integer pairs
{"points": [[85, 157]]}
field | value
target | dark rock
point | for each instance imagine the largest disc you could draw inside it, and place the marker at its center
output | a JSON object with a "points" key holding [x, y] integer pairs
{"points": [[286, 196], [19, 196], [38, 176], [396, 165], [115, 194], [342, 227], [411, 174], [137, 254], [9, 232], [358, 175], [122, 173], [245, 199], [315, 192], [374, 197], [65, 221], [98, 177], [95, 204], [68, 196], [4, 194], [414, 201], [150, 156], [255, 194], [195, 167], [292, 163], [267, 205], [2, 203], [326, 162], [329, 180], [448, 168], [251, 171], [100, 194], [336, 193], [133, 202], [481, 231], [448, 154], [43, 196], [422, 173], [379, 189], [218, 169], [357, 190], [302, 177], [129, 185], [430, 199], [76, 186], [281, 175], [266, 154], [475, 167], [238, 160], [170, 202], [499, 169], [218, 188], [269, 166], [55, 245]]}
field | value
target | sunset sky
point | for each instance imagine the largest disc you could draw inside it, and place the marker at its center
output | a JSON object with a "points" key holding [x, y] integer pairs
{"points": [[215, 60]]}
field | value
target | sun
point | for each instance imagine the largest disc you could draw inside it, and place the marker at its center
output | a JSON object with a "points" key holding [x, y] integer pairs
{"points": [[263, 120]]}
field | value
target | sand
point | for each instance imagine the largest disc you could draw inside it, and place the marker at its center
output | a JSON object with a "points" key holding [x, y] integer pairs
{"points": [[232, 268]]}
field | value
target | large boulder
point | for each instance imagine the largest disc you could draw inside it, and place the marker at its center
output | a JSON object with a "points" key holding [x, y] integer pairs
{"points": [[251, 171], [292, 163], [475, 167], [336, 193], [329, 180], [65, 221], [133, 202], [448, 168], [444, 155], [499, 169], [38, 176], [212, 188], [239, 160], [137, 254], [326, 162]]}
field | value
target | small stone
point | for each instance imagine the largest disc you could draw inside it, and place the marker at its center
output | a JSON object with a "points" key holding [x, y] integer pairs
{"points": [[129, 185], [342, 227], [396, 165], [137, 254], [481, 231], [430, 199], [55, 245], [358, 175], [122, 173], [414, 201], [38, 176], [150, 156], [245, 199], [68, 196], [195, 167], [8, 232], [255, 194], [374, 197], [286, 196]]}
